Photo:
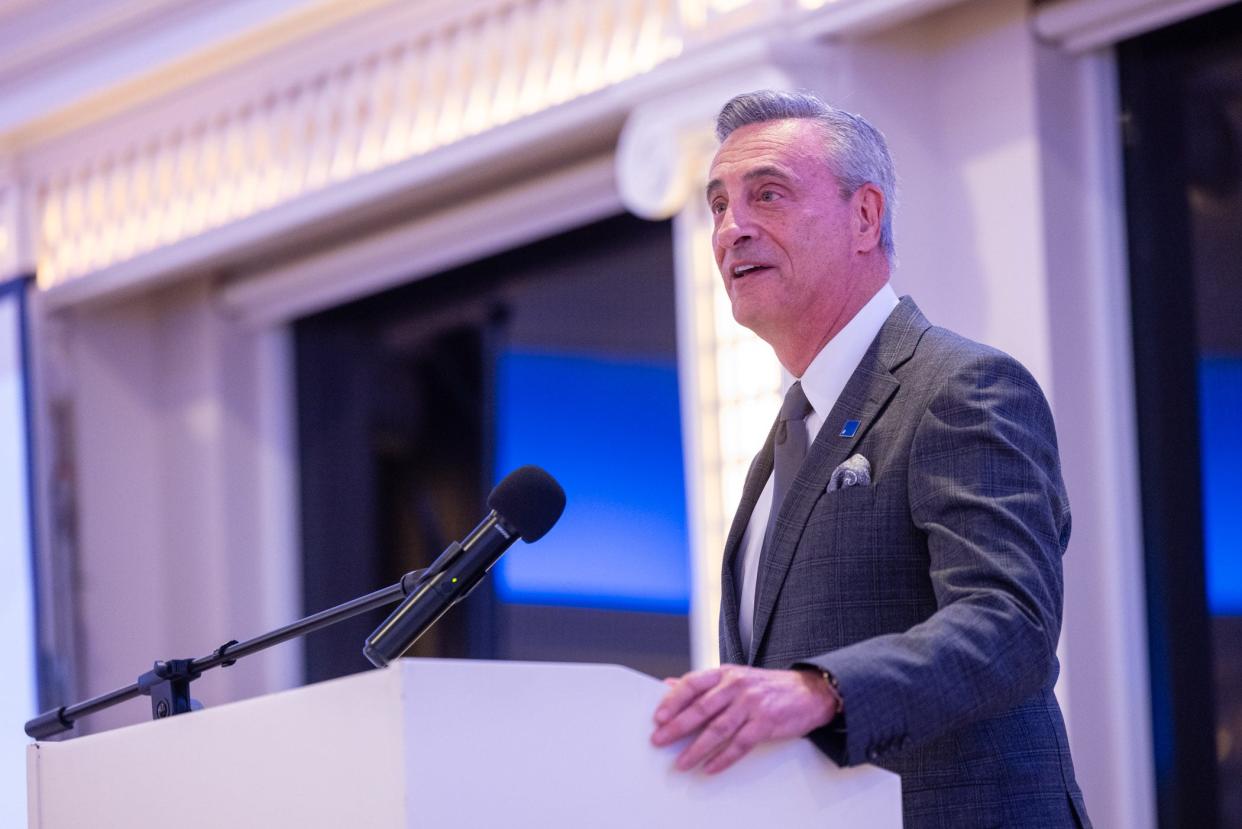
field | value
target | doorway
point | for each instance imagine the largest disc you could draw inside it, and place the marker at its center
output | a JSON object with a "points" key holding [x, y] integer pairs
{"points": [[1181, 93], [414, 402]]}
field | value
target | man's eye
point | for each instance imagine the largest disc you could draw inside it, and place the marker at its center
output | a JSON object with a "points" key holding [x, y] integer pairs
{"points": [[717, 207], [769, 195]]}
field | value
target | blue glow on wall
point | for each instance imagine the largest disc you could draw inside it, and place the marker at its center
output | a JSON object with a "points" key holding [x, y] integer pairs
{"points": [[610, 432], [1220, 430]]}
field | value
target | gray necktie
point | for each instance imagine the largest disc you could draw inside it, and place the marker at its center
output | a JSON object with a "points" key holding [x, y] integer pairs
{"points": [[788, 451]]}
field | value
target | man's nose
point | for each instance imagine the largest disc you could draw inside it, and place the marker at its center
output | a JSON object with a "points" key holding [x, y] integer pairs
{"points": [[734, 226]]}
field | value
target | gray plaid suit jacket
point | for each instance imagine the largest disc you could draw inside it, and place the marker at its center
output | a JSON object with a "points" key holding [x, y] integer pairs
{"points": [[934, 594]]}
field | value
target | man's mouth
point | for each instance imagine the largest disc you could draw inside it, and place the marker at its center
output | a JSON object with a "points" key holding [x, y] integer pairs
{"points": [[740, 271]]}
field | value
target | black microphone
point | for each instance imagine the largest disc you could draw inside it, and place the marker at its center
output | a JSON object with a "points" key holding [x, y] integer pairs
{"points": [[526, 503]]}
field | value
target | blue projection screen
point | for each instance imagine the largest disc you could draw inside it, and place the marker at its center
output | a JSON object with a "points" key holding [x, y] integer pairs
{"points": [[610, 432], [1220, 413], [17, 632]]}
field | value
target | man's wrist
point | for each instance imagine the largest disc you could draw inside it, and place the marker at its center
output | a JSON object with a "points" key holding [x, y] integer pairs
{"points": [[827, 684]]}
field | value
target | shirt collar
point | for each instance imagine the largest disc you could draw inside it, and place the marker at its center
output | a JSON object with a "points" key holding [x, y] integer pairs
{"points": [[832, 367]]}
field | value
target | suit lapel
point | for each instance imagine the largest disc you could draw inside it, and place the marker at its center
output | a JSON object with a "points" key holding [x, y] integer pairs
{"points": [[756, 479], [863, 399]]}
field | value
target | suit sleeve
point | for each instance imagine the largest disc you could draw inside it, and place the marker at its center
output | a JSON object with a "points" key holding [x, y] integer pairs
{"points": [[984, 488]]}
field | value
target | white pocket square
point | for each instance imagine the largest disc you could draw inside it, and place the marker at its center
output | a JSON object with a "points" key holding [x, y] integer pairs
{"points": [[856, 471]]}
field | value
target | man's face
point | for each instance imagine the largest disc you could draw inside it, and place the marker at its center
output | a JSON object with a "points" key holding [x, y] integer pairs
{"points": [[783, 238]]}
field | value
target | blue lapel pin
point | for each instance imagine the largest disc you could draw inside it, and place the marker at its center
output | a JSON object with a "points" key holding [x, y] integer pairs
{"points": [[850, 428]]}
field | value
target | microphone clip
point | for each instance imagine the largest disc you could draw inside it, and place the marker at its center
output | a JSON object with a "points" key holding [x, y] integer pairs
{"points": [[168, 686]]}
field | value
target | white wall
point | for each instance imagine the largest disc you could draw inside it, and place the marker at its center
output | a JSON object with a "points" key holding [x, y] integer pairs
{"points": [[955, 96]]}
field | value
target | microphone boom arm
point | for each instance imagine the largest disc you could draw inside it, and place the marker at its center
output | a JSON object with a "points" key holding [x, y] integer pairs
{"points": [[168, 683], [531, 499]]}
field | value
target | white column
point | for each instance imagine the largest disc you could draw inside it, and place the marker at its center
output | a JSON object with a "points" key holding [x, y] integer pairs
{"points": [[185, 487], [1105, 608]]}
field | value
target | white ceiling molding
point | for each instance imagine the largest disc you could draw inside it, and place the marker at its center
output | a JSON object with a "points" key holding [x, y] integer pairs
{"points": [[44, 33], [264, 133], [1079, 26], [250, 142], [418, 186], [488, 225], [451, 188], [113, 56], [855, 18]]}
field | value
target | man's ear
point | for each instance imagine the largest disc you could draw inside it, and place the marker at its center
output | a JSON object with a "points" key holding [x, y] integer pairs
{"points": [[868, 208]]}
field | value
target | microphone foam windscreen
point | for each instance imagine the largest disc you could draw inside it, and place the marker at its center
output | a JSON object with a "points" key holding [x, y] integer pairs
{"points": [[530, 500]]}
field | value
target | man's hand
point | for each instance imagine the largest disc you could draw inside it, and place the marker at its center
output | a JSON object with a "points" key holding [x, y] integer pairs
{"points": [[734, 708]]}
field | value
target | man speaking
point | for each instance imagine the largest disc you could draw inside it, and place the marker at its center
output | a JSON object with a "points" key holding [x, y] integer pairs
{"points": [[892, 579]]}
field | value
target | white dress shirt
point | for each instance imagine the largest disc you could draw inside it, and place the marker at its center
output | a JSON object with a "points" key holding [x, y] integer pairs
{"points": [[822, 383]]}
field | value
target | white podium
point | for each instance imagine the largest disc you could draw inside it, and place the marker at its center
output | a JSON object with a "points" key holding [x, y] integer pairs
{"points": [[439, 743]]}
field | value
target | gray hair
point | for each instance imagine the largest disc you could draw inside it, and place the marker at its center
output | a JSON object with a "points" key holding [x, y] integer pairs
{"points": [[856, 151]]}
